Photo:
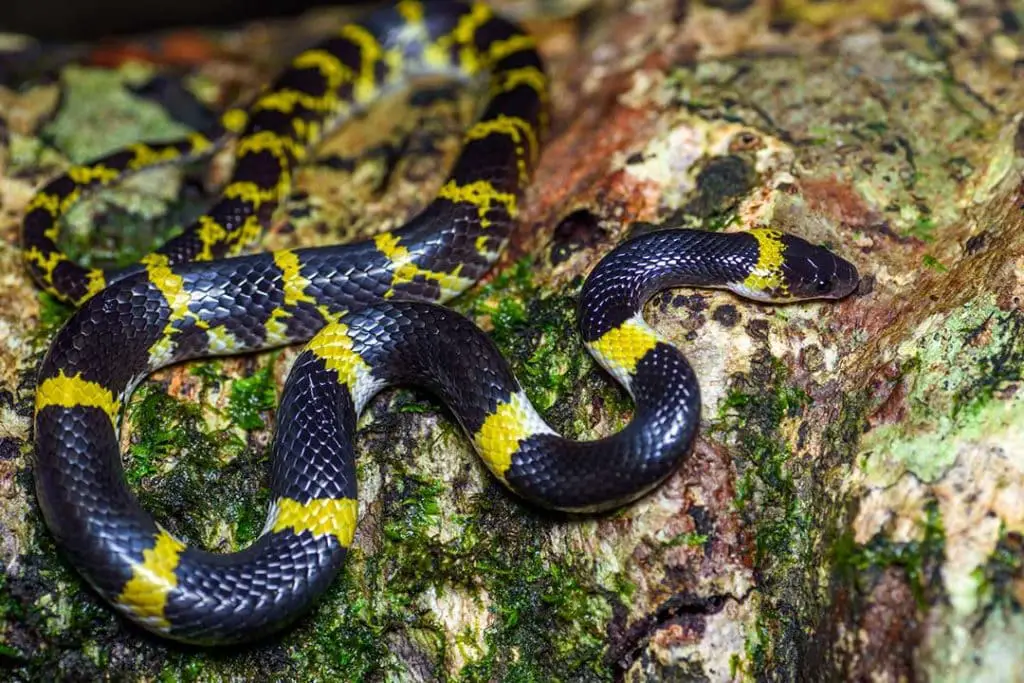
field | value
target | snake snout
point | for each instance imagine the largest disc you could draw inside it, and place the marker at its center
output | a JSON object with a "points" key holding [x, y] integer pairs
{"points": [[844, 280], [813, 272]]}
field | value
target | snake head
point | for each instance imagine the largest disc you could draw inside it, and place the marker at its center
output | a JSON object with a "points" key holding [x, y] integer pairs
{"points": [[810, 271], [789, 268]]}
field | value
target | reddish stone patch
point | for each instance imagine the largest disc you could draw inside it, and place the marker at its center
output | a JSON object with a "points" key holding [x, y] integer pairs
{"points": [[575, 172], [678, 633], [888, 388], [581, 157], [889, 631], [839, 201], [184, 48], [870, 316], [706, 481]]}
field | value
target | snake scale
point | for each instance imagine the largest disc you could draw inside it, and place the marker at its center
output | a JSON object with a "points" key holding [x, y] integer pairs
{"points": [[371, 314]]}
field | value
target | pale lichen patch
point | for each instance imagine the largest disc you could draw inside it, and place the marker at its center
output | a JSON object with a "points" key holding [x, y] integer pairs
{"points": [[465, 617]]}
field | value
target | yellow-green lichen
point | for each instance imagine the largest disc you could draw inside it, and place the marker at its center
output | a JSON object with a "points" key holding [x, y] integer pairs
{"points": [[953, 366], [99, 114]]}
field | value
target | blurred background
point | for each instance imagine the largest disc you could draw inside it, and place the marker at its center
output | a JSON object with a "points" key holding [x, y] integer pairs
{"points": [[75, 20]]}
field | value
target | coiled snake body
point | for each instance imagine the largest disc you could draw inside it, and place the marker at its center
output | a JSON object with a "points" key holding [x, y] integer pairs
{"points": [[371, 312]]}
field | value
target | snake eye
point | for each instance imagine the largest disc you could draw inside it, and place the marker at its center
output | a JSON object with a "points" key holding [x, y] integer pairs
{"points": [[822, 285]]}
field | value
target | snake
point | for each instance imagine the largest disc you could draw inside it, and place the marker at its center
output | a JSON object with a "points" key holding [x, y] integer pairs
{"points": [[371, 314]]}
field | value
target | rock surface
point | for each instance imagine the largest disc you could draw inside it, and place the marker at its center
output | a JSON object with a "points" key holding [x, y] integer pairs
{"points": [[854, 506]]}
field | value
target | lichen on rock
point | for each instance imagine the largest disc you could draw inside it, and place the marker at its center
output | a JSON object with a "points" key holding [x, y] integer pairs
{"points": [[854, 504]]}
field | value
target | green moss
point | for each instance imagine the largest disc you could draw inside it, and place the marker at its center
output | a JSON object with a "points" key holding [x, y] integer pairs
{"points": [[376, 595], [52, 316], [162, 427], [768, 497], [347, 641], [1003, 569], [253, 395], [549, 613], [52, 626], [923, 229], [688, 539], [796, 525], [537, 334], [410, 402], [250, 515], [766, 488], [52, 313], [502, 298], [720, 221], [929, 261], [205, 483], [859, 565], [531, 344], [209, 372], [186, 669], [11, 611]]}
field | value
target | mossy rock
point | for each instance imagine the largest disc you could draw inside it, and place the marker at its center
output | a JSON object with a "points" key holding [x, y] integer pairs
{"points": [[853, 505]]}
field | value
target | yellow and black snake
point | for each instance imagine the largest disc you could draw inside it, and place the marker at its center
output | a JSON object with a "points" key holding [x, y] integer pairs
{"points": [[371, 312]]}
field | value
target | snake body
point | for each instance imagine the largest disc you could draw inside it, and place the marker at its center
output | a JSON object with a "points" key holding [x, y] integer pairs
{"points": [[371, 310]]}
